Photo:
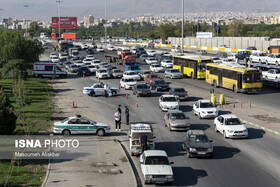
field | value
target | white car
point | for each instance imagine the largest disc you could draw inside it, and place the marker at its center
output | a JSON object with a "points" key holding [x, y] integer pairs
{"points": [[151, 60], [127, 83], [53, 55], [168, 102], [99, 89], [55, 59], [166, 54], [91, 57], [93, 68], [156, 68], [100, 49], [62, 55], [230, 126], [232, 56], [133, 51], [173, 74], [111, 48], [155, 167], [217, 60], [175, 49], [151, 53], [271, 74], [102, 73], [205, 109], [132, 75], [258, 57], [167, 63], [92, 45], [80, 125], [95, 62], [84, 46], [86, 60], [273, 59]]}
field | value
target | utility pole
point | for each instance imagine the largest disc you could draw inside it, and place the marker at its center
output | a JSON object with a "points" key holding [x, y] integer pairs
{"points": [[59, 16], [25, 6], [105, 25], [182, 35], [0, 14]]}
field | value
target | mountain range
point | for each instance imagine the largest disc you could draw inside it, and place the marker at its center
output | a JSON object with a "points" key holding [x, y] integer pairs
{"points": [[133, 8]]}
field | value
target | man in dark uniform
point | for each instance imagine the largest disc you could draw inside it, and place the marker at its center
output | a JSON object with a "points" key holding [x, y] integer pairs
{"points": [[120, 111]]}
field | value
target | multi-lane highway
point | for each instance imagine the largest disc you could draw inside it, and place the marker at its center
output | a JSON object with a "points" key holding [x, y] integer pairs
{"points": [[246, 162]]}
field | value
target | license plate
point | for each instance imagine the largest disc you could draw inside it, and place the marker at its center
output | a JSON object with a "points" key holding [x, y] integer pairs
{"points": [[201, 153], [254, 90]]}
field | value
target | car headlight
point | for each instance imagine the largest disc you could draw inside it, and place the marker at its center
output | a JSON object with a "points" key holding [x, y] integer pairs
{"points": [[177, 106], [210, 150], [148, 176], [192, 149], [169, 176], [230, 131], [164, 106], [203, 112], [245, 131]]}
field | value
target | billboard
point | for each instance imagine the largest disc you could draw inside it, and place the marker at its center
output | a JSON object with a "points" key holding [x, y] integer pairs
{"points": [[65, 22], [204, 35]]}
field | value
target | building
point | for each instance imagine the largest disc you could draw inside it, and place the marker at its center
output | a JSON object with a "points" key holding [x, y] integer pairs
{"points": [[88, 21]]}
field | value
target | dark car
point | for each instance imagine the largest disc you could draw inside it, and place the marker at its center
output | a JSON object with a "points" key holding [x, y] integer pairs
{"points": [[159, 85], [141, 89], [196, 143], [78, 47], [251, 48], [89, 51], [83, 70], [179, 92], [242, 55], [143, 57]]}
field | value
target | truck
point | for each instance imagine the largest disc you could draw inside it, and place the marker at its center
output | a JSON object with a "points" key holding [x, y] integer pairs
{"points": [[126, 57], [59, 44], [137, 132], [72, 36], [74, 52], [47, 69]]}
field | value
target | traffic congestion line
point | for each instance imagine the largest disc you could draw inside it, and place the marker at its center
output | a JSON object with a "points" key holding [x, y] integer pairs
{"points": [[261, 127]]}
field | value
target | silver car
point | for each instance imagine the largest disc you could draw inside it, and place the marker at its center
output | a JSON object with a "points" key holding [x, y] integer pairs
{"points": [[173, 73], [176, 120]]}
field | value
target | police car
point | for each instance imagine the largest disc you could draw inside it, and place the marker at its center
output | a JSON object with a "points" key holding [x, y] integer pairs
{"points": [[80, 125], [99, 89]]}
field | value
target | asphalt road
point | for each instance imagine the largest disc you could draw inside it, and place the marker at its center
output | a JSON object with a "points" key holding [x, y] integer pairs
{"points": [[249, 162]]}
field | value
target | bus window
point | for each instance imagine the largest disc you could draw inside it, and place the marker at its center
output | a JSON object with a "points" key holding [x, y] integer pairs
{"points": [[250, 78]]}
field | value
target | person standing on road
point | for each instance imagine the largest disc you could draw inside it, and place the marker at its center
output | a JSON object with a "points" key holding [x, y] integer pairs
{"points": [[118, 120], [126, 112], [120, 110]]}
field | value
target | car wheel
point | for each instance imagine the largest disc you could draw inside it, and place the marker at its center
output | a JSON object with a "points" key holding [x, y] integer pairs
{"points": [[266, 62], [260, 61], [169, 127], [100, 132], [137, 95], [277, 63], [216, 130], [189, 155], [199, 115], [192, 76], [66, 132], [114, 93], [92, 94], [224, 133], [234, 89]]}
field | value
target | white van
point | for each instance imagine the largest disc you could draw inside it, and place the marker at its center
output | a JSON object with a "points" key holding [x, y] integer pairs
{"points": [[48, 69], [43, 35], [123, 49]]}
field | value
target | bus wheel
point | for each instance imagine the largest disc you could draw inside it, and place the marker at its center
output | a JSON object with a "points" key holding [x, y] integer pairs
{"points": [[234, 89], [215, 83], [192, 76], [277, 63]]}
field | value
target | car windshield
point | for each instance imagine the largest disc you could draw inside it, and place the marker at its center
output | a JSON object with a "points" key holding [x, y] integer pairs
{"points": [[168, 99], [129, 80], [198, 138], [102, 71], [65, 120], [156, 160], [152, 59], [180, 90], [168, 61], [117, 71], [159, 82], [277, 56], [178, 116], [91, 66], [232, 121], [154, 76], [157, 65], [262, 54], [174, 71], [206, 105], [142, 86]]}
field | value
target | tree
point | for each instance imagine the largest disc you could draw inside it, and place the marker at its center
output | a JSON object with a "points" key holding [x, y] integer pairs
{"points": [[14, 69], [166, 30], [237, 28], [7, 115], [34, 27]]}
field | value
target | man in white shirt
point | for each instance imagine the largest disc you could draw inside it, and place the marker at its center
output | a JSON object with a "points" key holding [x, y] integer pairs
{"points": [[118, 121]]}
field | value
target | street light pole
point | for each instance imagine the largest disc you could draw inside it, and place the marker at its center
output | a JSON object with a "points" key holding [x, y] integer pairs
{"points": [[25, 6], [105, 39], [0, 14], [59, 16], [182, 35]]}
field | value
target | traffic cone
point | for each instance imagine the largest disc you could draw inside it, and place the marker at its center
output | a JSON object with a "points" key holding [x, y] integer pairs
{"points": [[250, 103], [136, 104], [126, 96], [73, 104], [119, 86], [84, 75], [98, 79]]}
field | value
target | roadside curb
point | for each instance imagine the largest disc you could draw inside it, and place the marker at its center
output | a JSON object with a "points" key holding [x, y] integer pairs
{"points": [[260, 127], [47, 174]]}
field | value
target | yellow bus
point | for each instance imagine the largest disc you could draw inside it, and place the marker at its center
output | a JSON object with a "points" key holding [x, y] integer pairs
{"points": [[235, 77], [193, 67]]}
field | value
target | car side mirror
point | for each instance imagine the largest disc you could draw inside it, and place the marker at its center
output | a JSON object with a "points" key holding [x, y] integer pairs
{"points": [[141, 162], [210, 140], [171, 163], [129, 136], [154, 137]]}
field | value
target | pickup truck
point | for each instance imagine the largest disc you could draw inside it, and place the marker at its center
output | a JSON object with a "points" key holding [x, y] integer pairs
{"points": [[100, 89]]}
